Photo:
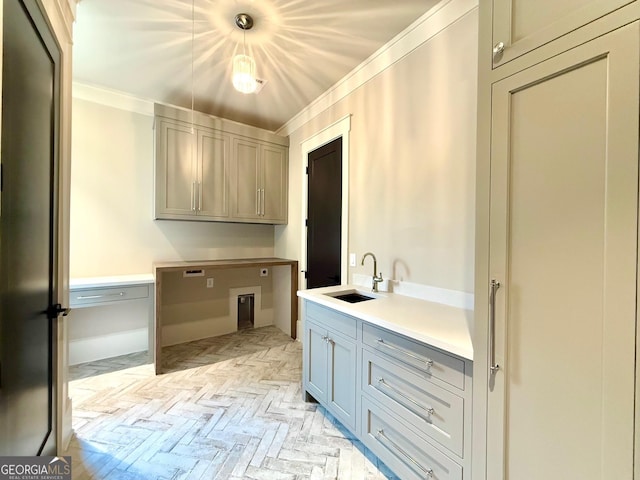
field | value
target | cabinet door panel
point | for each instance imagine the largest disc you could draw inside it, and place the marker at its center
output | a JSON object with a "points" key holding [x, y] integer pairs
{"points": [[316, 373], [246, 179], [175, 170], [213, 174], [523, 25], [342, 384], [274, 183], [563, 238]]}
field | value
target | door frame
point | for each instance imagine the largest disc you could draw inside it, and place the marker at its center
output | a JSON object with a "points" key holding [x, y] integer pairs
{"points": [[340, 128]]}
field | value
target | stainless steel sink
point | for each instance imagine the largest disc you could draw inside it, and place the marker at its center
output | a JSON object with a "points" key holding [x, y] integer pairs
{"points": [[353, 297]]}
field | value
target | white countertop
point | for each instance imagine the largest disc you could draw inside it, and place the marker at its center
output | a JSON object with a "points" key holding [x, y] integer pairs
{"points": [[112, 281], [442, 326]]}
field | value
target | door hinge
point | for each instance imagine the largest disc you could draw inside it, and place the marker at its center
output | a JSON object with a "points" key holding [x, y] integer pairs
{"points": [[307, 170], [1, 179], [306, 222]]}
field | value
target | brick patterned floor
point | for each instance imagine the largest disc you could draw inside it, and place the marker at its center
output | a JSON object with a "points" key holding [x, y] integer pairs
{"points": [[229, 408]]}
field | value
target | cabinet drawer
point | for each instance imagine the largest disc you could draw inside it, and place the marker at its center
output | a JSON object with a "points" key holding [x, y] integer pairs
{"points": [[331, 319], [101, 296], [433, 410], [405, 452], [429, 361]]}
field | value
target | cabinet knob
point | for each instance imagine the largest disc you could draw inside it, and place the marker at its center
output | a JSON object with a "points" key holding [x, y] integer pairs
{"points": [[498, 49]]}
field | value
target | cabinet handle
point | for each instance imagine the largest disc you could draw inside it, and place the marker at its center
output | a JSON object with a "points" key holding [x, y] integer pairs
{"points": [[262, 202], [493, 366], [199, 196], [428, 361], [429, 410], [498, 49], [258, 202], [193, 196], [427, 471], [105, 295]]}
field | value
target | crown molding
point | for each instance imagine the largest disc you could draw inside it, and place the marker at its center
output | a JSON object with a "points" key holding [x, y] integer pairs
{"points": [[419, 32], [112, 98]]}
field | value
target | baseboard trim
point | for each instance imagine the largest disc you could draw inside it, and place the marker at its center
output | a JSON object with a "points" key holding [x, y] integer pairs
{"points": [[106, 346]]}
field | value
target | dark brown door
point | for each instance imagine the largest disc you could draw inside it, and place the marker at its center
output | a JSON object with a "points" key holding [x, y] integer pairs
{"points": [[324, 221], [30, 107]]}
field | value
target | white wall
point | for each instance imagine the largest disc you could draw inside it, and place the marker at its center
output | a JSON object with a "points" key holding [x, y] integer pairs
{"points": [[412, 161], [112, 226]]}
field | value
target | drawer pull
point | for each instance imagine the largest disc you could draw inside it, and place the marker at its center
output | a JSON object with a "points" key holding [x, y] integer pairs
{"points": [[427, 471], [429, 410], [105, 295], [428, 361]]}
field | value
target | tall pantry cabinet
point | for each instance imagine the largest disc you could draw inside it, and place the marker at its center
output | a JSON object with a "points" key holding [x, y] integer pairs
{"points": [[557, 240]]}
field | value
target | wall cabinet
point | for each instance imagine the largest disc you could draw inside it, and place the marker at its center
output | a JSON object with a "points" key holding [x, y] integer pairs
{"points": [[259, 177], [218, 170], [557, 236], [191, 176], [520, 26]]}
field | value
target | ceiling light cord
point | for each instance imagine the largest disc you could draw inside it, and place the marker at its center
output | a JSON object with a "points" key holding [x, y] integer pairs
{"points": [[193, 36]]}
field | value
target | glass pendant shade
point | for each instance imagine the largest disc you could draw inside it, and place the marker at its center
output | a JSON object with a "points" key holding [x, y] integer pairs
{"points": [[244, 74]]}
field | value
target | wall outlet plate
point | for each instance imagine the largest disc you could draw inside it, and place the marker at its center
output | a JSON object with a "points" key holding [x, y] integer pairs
{"points": [[210, 282], [264, 272], [352, 259]]}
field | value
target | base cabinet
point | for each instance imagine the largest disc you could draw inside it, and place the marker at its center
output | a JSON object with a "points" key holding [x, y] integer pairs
{"points": [[408, 402], [331, 373], [401, 449]]}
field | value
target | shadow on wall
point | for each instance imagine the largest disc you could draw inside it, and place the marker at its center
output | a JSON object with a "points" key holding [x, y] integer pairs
{"points": [[209, 240], [400, 271]]}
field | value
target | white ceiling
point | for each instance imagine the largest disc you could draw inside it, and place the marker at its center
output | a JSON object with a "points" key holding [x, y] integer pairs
{"points": [[301, 47]]}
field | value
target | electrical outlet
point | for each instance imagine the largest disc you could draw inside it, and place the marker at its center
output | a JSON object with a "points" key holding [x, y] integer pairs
{"points": [[210, 282], [352, 259], [264, 272]]}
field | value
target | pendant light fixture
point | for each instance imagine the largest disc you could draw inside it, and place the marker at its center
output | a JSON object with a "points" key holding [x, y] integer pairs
{"points": [[244, 67]]}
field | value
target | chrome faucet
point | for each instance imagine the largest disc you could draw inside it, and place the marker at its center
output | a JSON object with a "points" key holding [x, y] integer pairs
{"points": [[376, 278]]}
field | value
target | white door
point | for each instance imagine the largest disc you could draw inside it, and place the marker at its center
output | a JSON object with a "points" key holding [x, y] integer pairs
{"points": [[563, 242]]}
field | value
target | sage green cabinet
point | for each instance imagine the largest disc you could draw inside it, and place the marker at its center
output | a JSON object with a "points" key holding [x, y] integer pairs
{"points": [[191, 176], [330, 364], [210, 169], [408, 402], [213, 175], [260, 181], [520, 26], [565, 210], [557, 211], [175, 170]]}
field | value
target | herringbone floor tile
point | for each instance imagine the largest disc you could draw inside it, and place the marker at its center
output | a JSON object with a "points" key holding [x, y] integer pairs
{"points": [[228, 407]]}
